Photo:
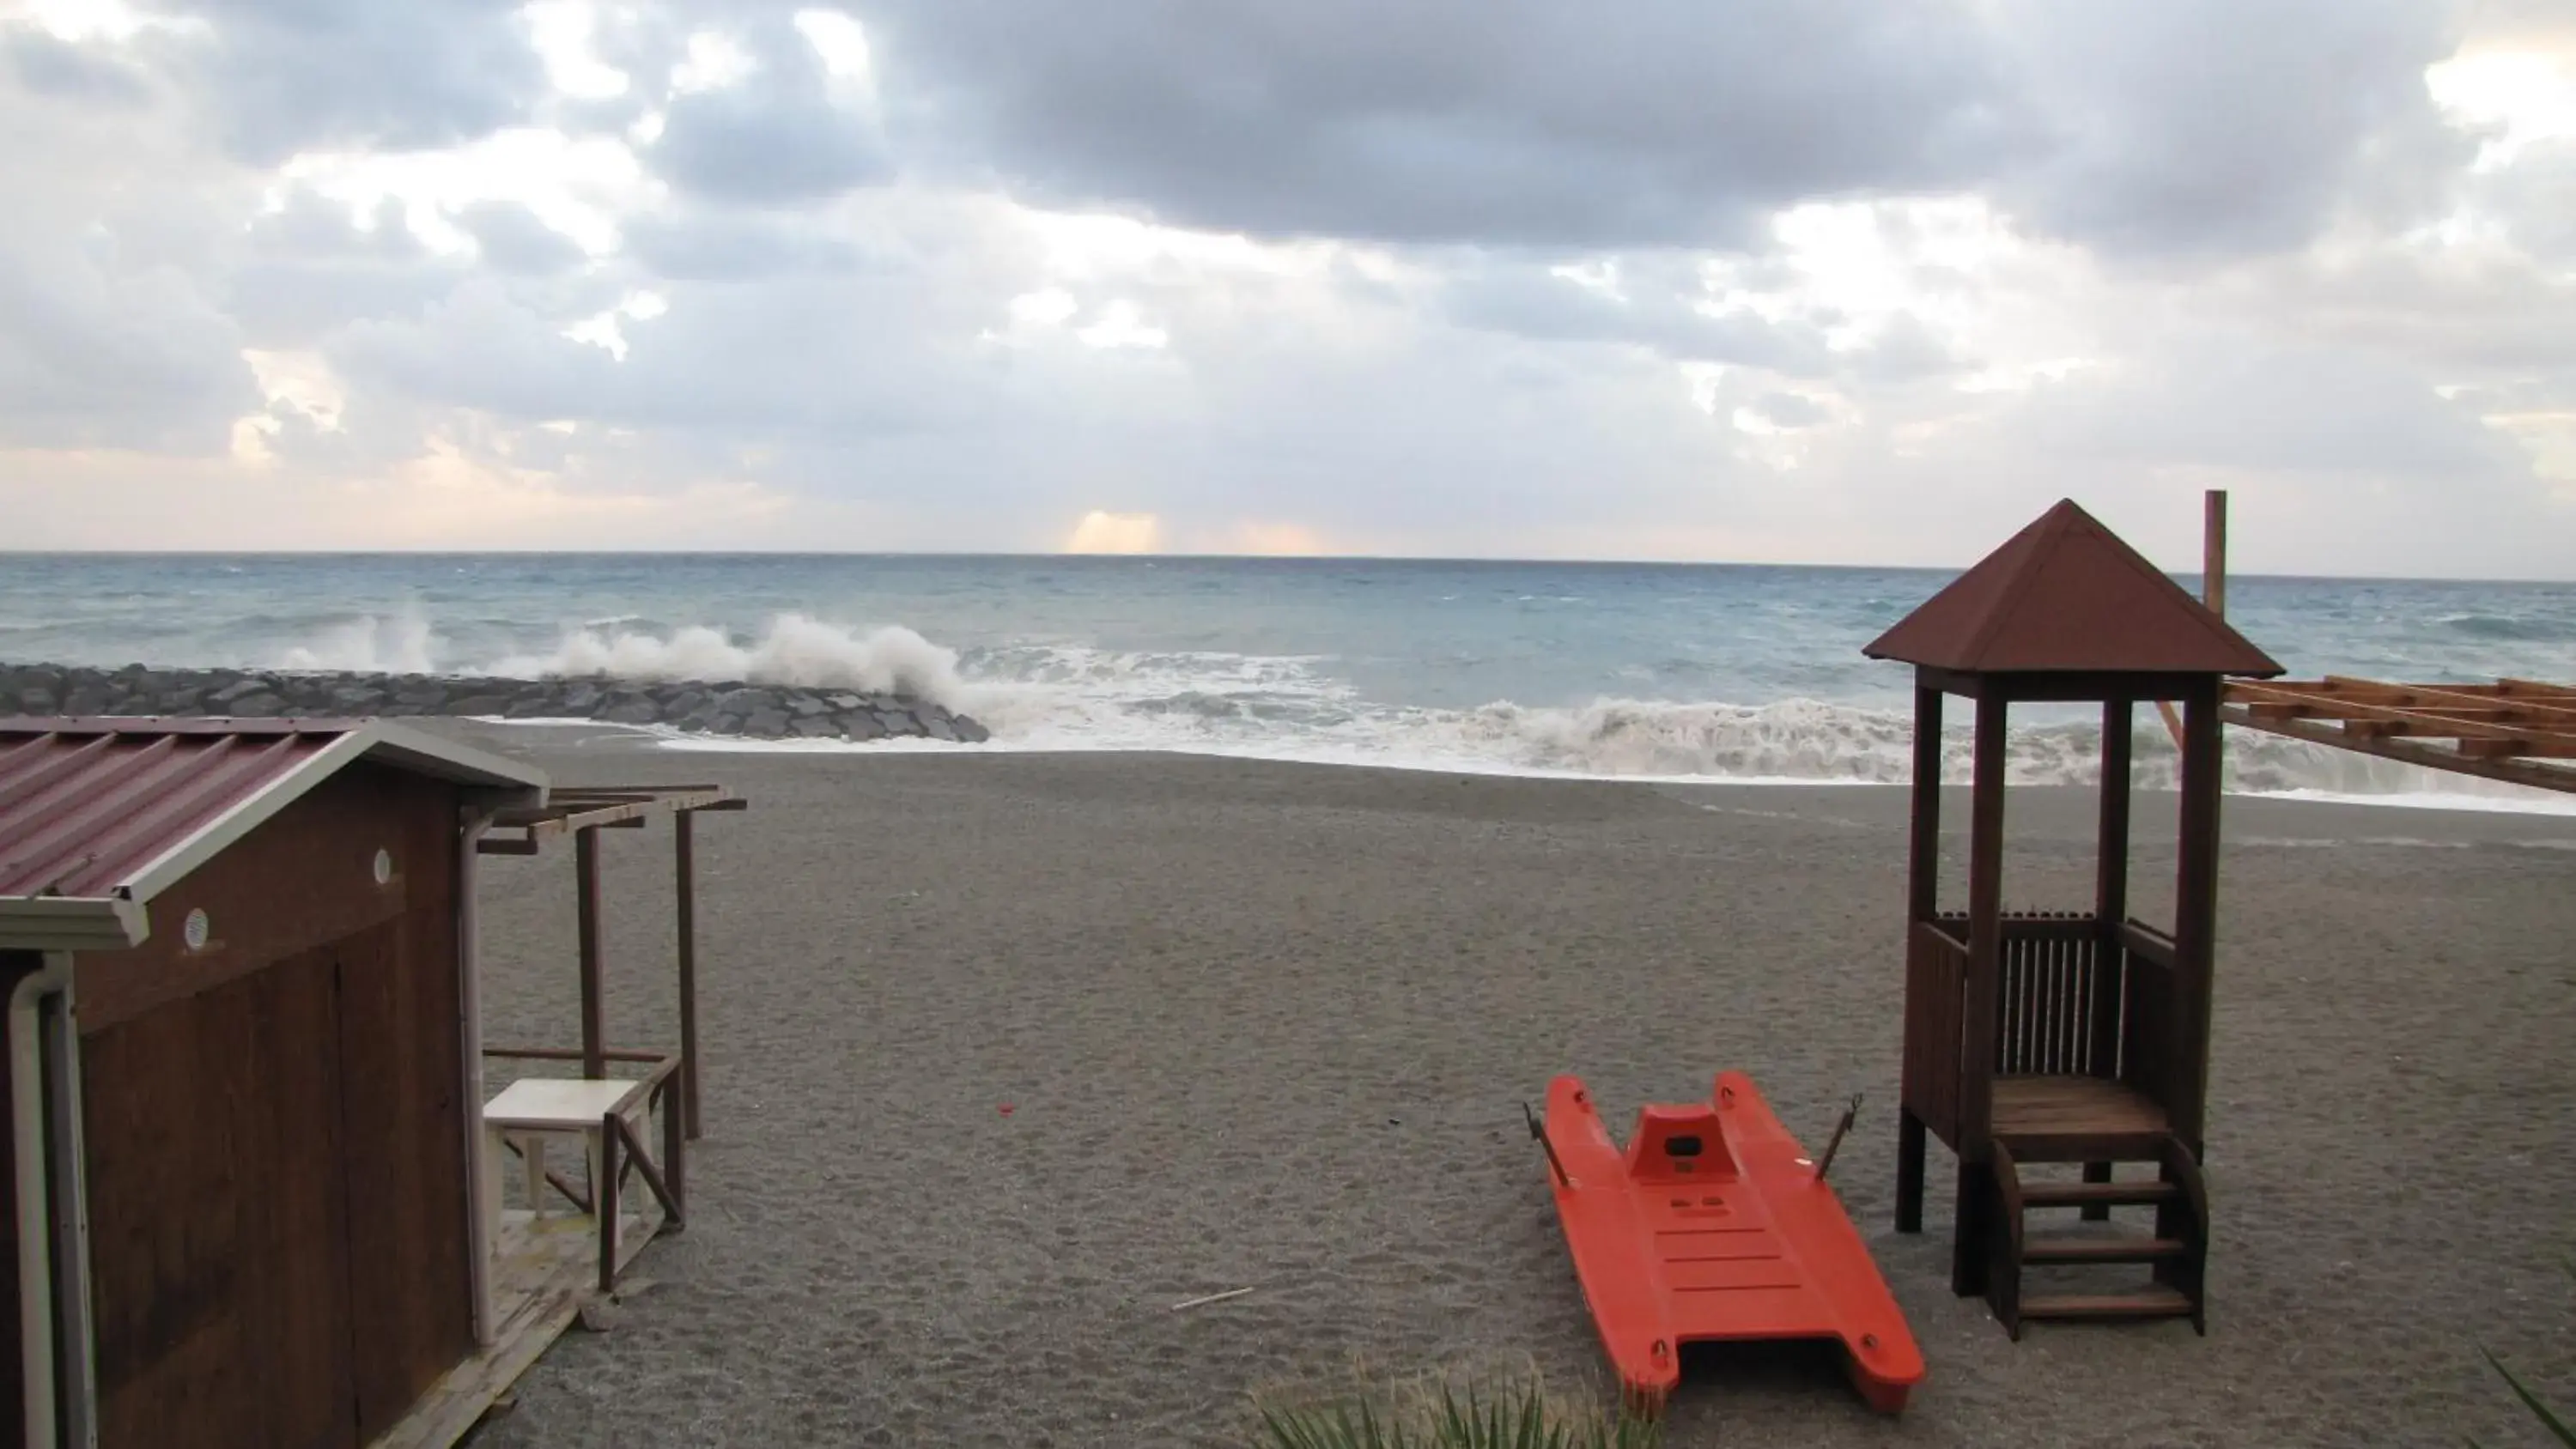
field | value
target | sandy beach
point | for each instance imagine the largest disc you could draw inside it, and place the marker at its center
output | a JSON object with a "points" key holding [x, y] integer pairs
{"points": [[1270, 1026]]}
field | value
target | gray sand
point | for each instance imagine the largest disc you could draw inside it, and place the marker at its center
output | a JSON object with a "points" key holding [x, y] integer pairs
{"points": [[1267, 1025]]}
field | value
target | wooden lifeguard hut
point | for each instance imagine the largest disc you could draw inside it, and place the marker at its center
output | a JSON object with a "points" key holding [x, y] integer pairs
{"points": [[2063, 1036], [240, 961], [257, 1183]]}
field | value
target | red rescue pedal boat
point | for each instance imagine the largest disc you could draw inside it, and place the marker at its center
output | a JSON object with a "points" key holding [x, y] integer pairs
{"points": [[1714, 1225]]}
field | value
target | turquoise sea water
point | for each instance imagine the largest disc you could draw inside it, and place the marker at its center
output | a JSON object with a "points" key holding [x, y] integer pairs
{"points": [[1695, 671]]}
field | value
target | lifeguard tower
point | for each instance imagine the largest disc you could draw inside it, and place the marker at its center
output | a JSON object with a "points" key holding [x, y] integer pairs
{"points": [[2067, 1036]]}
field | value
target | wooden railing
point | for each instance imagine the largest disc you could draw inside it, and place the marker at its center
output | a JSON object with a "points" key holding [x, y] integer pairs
{"points": [[2064, 1006], [2155, 1031], [1936, 972], [2055, 987]]}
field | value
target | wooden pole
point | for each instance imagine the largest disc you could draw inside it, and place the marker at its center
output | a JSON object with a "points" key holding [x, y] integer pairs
{"points": [[1923, 902], [2196, 911], [1923, 864], [2110, 909], [2213, 582], [1976, 1064], [2213, 551], [594, 1045], [686, 861]]}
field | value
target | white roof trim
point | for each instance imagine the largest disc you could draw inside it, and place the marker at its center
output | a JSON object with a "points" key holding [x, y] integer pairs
{"points": [[72, 923]]}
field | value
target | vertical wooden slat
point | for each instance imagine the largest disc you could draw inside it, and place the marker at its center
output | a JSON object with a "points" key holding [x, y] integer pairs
{"points": [[594, 1045]]}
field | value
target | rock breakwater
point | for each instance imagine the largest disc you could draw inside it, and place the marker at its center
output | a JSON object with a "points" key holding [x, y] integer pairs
{"points": [[730, 708]]}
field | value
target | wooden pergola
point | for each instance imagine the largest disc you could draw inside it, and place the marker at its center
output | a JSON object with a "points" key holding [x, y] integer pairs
{"points": [[2515, 730], [655, 1081]]}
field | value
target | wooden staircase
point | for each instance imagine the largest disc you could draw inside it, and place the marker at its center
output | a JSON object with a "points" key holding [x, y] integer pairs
{"points": [[2175, 1254]]}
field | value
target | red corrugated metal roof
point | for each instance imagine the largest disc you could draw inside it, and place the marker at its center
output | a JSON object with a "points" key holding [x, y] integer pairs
{"points": [[2066, 595], [85, 805]]}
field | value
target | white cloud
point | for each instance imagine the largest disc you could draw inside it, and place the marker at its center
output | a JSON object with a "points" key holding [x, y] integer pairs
{"points": [[715, 61], [1122, 324], [563, 33], [2518, 98], [579, 186], [1104, 532]]}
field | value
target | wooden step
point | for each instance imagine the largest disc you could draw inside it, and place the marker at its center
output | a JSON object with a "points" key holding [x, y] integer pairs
{"points": [[2157, 1302], [2088, 1194], [2102, 1250]]}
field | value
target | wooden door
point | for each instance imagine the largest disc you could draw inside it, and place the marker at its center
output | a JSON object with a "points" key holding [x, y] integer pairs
{"points": [[218, 1216]]}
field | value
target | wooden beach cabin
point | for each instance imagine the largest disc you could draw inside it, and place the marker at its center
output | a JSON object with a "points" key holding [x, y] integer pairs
{"points": [[2076, 1036], [239, 957]]}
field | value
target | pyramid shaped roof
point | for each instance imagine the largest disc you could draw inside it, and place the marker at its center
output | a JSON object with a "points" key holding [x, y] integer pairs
{"points": [[2066, 595]]}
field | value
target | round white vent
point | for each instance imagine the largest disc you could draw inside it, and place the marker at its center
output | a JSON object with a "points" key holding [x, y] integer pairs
{"points": [[194, 932], [384, 867]]}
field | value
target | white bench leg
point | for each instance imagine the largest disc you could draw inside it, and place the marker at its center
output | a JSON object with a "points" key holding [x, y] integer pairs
{"points": [[532, 1153]]}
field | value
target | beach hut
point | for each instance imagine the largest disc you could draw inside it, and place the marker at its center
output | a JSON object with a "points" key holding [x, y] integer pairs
{"points": [[2075, 1036], [242, 1074]]}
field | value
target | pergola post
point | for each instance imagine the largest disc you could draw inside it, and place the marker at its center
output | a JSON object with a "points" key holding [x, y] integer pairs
{"points": [[685, 861], [1923, 902], [1977, 1010], [594, 1032]]}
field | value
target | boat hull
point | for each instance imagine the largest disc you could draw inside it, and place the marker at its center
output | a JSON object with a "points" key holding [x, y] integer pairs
{"points": [[1712, 1226]]}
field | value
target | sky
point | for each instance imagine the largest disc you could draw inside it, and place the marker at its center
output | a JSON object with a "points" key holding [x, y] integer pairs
{"points": [[1815, 281]]}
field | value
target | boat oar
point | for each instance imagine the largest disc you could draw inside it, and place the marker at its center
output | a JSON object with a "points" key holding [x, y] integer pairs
{"points": [[1834, 1143], [1539, 1131]]}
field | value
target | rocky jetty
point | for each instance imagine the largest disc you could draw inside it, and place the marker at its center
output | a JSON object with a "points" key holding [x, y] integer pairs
{"points": [[752, 711]]}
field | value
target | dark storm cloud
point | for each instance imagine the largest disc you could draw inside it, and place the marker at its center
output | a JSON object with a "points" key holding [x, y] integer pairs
{"points": [[2195, 126], [1788, 410], [1655, 311], [511, 239], [778, 137], [307, 269], [2199, 126], [1668, 121], [282, 76], [57, 68], [724, 246]]}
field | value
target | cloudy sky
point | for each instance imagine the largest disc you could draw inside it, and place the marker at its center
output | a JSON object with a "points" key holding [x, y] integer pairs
{"points": [[1816, 280]]}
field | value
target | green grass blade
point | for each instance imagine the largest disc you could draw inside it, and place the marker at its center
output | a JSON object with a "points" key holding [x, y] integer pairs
{"points": [[2539, 1409]]}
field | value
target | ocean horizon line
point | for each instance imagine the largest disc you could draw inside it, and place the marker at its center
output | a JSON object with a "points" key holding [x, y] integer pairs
{"points": [[1283, 560]]}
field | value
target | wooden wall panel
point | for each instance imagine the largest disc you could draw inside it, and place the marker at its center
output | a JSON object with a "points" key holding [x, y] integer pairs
{"points": [[303, 879], [404, 1124]]}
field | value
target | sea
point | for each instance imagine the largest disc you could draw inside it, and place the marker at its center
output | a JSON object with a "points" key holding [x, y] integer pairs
{"points": [[1609, 670]]}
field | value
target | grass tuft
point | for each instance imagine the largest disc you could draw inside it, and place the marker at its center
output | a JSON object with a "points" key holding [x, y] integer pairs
{"points": [[1514, 1412]]}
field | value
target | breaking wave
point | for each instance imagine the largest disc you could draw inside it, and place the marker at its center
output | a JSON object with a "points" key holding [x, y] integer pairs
{"points": [[1035, 696]]}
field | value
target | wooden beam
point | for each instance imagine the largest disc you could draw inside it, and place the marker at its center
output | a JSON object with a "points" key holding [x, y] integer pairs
{"points": [[2274, 701], [2512, 772], [2443, 698]]}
